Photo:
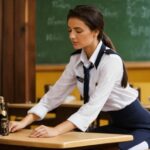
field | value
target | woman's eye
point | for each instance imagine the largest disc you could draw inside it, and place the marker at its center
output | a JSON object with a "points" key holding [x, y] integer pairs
{"points": [[79, 31]]}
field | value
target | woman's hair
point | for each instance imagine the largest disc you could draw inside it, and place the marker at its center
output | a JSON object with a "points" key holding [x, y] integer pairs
{"points": [[107, 41], [93, 18]]}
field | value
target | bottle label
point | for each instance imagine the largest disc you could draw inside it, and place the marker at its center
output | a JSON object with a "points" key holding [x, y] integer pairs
{"points": [[4, 128]]}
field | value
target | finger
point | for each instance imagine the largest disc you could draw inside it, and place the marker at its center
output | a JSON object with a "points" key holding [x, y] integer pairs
{"points": [[39, 127], [11, 127], [14, 128], [36, 133], [42, 134]]}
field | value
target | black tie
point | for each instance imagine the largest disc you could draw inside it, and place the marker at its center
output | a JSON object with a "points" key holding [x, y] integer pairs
{"points": [[86, 82]]}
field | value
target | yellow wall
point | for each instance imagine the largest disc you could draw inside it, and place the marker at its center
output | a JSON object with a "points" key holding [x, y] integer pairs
{"points": [[139, 76], [138, 73], [43, 78], [49, 75]]}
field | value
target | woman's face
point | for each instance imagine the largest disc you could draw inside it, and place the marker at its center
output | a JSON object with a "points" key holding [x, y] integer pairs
{"points": [[81, 35]]}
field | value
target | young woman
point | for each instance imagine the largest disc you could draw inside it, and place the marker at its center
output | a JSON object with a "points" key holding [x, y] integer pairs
{"points": [[100, 75]]}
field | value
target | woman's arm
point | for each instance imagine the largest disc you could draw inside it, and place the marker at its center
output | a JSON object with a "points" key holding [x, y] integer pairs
{"points": [[44, 131], [17, 125]]}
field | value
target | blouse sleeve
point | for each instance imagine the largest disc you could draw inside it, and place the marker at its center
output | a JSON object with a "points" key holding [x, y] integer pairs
{"points": [[57, 94]]}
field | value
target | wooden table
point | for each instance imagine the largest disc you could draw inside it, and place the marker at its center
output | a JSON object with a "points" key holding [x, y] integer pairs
{"points": [[72, 141], [74, 103], [62, 113]]}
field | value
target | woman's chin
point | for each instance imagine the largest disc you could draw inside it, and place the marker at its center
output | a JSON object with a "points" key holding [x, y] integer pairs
{"points": [[76, 47]]}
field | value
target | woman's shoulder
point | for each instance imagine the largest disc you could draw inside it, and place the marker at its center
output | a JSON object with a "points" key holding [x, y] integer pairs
{"points": [[112, 60]]}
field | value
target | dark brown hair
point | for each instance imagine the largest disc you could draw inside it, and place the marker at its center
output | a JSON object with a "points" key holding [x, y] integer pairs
{"points": [[107, 41]]}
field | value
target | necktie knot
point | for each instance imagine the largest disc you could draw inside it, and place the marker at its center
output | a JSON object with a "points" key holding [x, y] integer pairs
{"points": [[87, 69]]}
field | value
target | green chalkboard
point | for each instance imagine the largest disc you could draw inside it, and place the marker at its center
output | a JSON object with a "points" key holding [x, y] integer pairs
{"points": [[127, 22]]}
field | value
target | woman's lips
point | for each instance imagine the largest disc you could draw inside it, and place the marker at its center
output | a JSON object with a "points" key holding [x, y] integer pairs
{"points": [[75, 43]]}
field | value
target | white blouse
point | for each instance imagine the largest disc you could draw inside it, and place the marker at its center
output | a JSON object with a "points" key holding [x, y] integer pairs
{"points": [[105, 91]]}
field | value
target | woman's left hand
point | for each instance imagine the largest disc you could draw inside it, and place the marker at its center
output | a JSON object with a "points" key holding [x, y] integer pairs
{"points": [[43, 131]]}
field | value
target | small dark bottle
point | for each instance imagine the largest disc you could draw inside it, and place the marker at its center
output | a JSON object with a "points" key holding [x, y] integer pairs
{"points": [[4, 127]]}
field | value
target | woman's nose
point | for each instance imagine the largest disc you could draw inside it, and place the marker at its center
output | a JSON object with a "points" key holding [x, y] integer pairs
{"points": [[72, 35]]}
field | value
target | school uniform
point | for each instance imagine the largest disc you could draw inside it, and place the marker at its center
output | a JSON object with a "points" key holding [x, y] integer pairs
{"points": [[105, 93]]}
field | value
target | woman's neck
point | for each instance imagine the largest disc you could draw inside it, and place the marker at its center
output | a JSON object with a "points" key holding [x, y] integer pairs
{"points": [[89, 50]]}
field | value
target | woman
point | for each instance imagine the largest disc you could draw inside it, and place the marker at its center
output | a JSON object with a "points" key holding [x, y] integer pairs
{"points": [[101, 77]]}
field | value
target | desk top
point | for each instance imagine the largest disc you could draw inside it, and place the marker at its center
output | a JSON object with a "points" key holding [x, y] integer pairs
{"points": [[74, 103], [68, 140]]}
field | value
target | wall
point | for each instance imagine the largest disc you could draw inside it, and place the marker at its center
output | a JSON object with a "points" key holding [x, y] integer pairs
{"points": [[17, 50]]}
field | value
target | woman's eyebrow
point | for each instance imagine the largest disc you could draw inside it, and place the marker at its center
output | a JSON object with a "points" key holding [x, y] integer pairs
{"points": [[76, 28]]}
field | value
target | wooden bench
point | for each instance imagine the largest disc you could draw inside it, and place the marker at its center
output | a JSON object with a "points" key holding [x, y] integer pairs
{"points": [[70, 141]]}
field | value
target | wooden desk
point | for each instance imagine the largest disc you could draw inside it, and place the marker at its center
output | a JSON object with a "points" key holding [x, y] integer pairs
{"points": [[72, 104], [71, 141], [75, 104], [62, 113]]}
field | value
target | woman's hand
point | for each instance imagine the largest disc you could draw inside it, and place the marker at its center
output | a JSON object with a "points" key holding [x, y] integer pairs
{"points": [[18, 125], [44, 131], [15, 126]]}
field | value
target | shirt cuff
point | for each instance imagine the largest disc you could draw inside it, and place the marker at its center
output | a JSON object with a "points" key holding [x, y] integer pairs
{"points": [[79, 122], [39, 111]]}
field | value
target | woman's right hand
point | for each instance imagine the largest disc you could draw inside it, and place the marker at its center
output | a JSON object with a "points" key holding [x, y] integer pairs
{"points": [[16, 125]]}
